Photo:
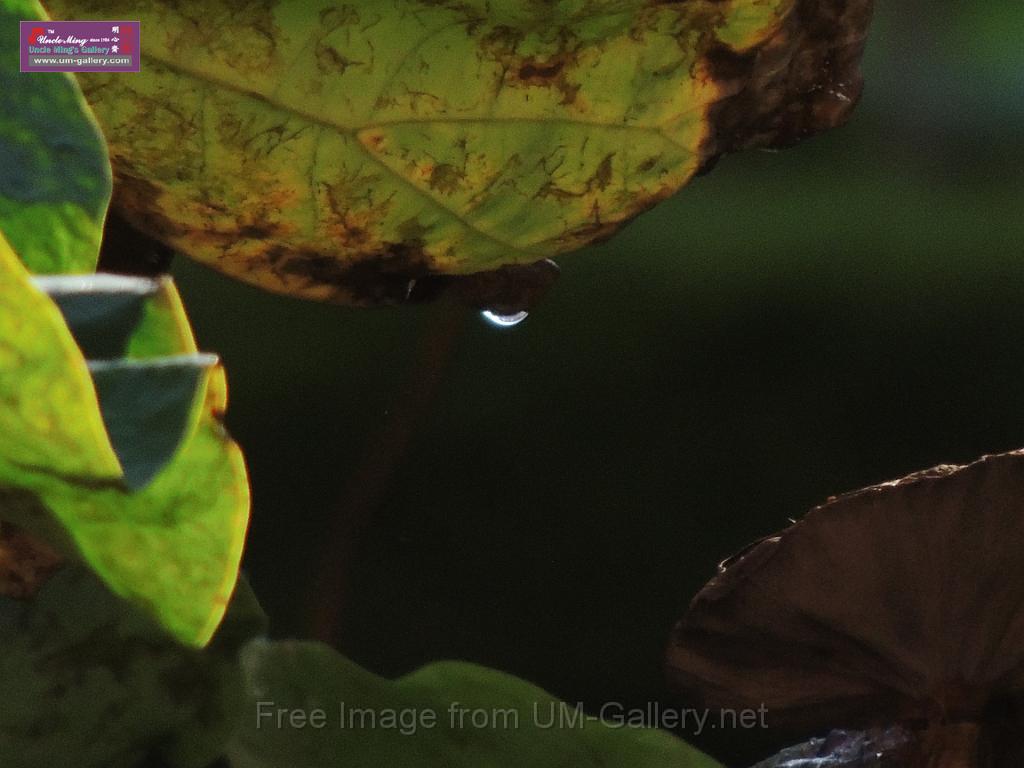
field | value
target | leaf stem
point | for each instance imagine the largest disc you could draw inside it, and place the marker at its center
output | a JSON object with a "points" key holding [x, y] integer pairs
{"points": [[370, 481]]}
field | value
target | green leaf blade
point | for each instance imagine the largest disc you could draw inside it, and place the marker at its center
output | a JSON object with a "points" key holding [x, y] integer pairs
{"points": [[133, 473], [426, 728], [55, 176], [174, 546]]}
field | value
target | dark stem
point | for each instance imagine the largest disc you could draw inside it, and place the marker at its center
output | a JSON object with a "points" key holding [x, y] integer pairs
{"points": [[369, 482]]}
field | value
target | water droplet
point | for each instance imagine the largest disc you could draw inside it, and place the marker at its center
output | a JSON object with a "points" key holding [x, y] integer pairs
{"points": [[504, 321]]}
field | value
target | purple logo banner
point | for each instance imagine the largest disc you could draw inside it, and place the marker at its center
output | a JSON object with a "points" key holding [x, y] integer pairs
{"points": [[80, 46]]}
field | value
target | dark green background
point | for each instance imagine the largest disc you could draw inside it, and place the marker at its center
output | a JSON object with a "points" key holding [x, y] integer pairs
{"points": [[795, 325]]}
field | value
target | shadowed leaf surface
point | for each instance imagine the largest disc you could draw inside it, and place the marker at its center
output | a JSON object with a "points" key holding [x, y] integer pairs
{"points": [[899, 603], [317, 148], [26, 562], [101, 311], [509, 729], [150, 409], [92, 682]]}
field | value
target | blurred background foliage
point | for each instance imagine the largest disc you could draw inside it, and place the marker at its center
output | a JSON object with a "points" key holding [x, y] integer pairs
{"points": [[547, 499]]}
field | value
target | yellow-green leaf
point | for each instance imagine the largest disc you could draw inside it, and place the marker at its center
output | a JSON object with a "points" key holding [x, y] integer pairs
{"points": [[304, 145], [43, 379]]}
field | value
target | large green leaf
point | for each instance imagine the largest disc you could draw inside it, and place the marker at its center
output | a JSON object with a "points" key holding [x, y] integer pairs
{"points": [[90, 682], [285, 142], [122, 463], [415, 721], [54, 171]]}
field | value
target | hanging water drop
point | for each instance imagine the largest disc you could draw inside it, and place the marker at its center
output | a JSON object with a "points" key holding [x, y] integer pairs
{"points": [[504, 320]]}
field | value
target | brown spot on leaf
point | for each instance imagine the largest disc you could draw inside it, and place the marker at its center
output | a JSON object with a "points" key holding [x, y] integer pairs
{"points": [[383, 279], [551, 72], [275, 255], [508, 289], [257, 231], [401, 274], [599, 179], [599, 230], [138, 201], [446, 178], [603, 175], [372, 139], [26, 562], [534, 73], [330, 61], [803, 80], [648, 164]]}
